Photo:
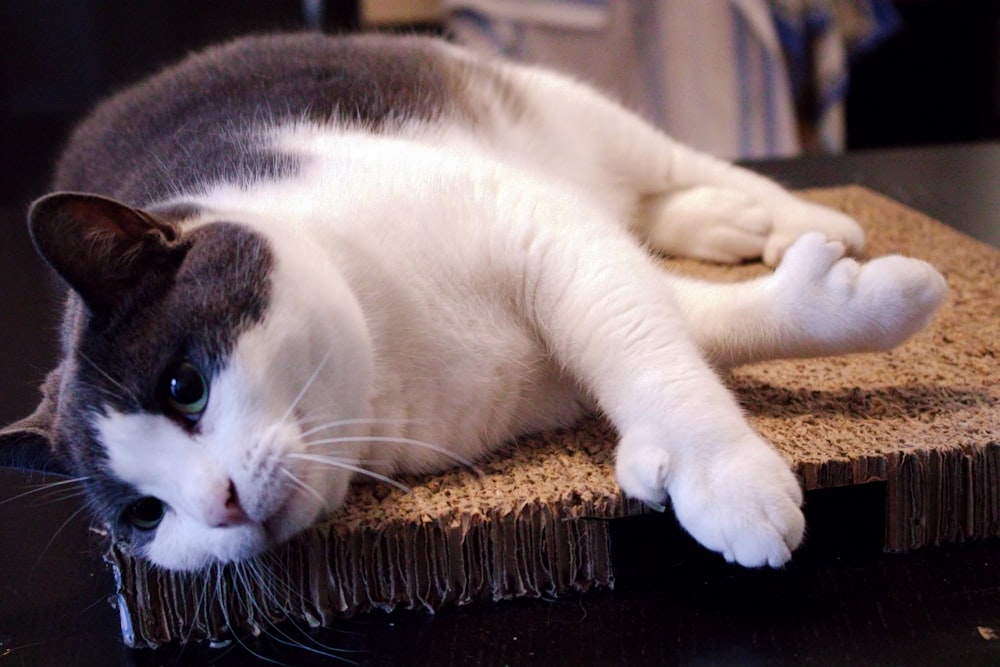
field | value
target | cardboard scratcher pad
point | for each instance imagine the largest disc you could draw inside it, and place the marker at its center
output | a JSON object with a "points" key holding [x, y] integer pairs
{"points": [[924, 419]]}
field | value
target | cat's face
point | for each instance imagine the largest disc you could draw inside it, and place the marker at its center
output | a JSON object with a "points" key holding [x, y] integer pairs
{"points": [[205, 376]]}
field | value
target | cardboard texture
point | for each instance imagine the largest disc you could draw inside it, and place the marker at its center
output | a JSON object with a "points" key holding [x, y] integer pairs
{"points": [[531, 520]]}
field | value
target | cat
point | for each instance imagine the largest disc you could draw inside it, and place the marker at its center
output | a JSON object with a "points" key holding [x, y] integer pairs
{"points": [[297, 259]]}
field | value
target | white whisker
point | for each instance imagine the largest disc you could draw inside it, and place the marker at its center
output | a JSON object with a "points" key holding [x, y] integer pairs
{"points": [[307, 385], [305, 487], [400, 441], [48, 486], [199, 604], [351, 422], [257, 578], [60, 529], [340, 463], [126, 392]]}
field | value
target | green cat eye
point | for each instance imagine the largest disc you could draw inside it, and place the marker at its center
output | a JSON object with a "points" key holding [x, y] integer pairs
{"points": [[145, 513], [185, 390]]}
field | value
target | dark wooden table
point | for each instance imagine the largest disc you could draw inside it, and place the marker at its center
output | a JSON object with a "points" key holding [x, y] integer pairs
{"points": [[841, 601]]}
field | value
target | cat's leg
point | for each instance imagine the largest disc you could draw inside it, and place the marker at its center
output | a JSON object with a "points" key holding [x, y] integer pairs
{"points": [[682, 201], [816, 303], [599, 304]]}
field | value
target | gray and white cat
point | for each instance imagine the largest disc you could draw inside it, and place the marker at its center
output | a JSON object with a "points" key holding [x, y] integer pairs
{"points": [[310, 258]]}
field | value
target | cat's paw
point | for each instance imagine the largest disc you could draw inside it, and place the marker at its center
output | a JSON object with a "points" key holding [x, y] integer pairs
{"points": [[797, 217], [710, 223], [743, 504], [642, 470], [843, 306]]}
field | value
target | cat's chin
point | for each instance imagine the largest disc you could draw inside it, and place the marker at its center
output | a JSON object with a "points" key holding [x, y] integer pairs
{"points": [[232, 544]]}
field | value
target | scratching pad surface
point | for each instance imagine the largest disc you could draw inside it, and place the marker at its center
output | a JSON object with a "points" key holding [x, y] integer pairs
{"points": [[924, 419]]}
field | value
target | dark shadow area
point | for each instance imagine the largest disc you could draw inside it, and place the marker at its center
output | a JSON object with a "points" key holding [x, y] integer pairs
{"points": [[906, 401]]}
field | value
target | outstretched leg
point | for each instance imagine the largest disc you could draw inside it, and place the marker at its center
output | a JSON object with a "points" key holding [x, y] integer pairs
{"points": [[816, 303], [598, 302]]}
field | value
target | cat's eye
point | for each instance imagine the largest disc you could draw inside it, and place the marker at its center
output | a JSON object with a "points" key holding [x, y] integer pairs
{"points": [[185, 390], [145, 513]]}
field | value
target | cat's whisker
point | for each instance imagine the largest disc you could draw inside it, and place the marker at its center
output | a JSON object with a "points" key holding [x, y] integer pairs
{"points": [[126, 392], [274, 590], [239, 602], [107, 392], [307, 488], [250, 605], [258, 585], [400, 441], [308, 384], [353, 422], [353, 467], [50, 486], [265, 579], [59, 496], [61, 528], [198, 604]]}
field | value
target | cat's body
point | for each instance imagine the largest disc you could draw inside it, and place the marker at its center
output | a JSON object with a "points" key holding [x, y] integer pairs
{"points": [[387, 254]]}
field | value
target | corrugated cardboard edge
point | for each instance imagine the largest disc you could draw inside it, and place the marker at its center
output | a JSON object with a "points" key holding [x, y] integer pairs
{"points": [[337, 571], [924, 419]]}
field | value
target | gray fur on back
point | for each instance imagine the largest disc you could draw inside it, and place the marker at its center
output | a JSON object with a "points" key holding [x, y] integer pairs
{"points": [[197, 122]]}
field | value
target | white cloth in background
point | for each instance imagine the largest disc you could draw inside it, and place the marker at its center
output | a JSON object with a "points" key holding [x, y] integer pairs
{"points": [[712, 73]]}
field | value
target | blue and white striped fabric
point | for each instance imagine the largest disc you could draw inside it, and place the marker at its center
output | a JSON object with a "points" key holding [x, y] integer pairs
{"points": [[731, 77]]}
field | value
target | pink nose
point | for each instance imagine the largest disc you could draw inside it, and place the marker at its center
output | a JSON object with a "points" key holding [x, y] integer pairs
{"points": [[225, 509]]}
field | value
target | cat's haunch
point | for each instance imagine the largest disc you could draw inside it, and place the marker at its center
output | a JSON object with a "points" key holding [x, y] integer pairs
{"points": [[297, 259]]}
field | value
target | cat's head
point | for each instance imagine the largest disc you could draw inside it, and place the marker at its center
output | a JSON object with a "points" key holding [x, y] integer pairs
{"points": [[206, 370]]}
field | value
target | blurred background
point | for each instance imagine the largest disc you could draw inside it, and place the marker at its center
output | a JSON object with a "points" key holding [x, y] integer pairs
{"points": [[745, 79]]}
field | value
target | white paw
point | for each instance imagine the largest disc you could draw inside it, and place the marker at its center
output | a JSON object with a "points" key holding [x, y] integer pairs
{"points": [[843, 306], [745, 505], [710, 223], [743, 502], [796, 217]]}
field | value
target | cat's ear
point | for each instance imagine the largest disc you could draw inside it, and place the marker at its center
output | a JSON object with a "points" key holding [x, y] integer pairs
{"points": [[101, 247], [27, 444]]}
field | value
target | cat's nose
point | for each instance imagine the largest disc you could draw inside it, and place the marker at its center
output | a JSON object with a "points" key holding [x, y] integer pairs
{"points": [[226, 510]]}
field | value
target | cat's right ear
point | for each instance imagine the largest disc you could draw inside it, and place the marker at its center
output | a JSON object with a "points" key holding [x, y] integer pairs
{"points": [[28, 444], [101, 247]]}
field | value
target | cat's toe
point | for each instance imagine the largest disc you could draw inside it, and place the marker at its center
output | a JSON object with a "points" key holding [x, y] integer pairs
{"points": [[810, 257], [770, 538], [805, 217], [642, 470]]}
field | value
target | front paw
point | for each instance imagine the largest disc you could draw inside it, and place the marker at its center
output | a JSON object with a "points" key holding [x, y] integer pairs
{"points": [[743, 502], [745, 506]]}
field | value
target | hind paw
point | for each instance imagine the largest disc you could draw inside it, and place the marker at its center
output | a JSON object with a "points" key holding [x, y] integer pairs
{"points": [[710, 223], [842, 305]]}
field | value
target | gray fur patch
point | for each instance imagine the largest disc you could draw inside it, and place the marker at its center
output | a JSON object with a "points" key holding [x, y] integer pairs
{"points": [[200, 121]]}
